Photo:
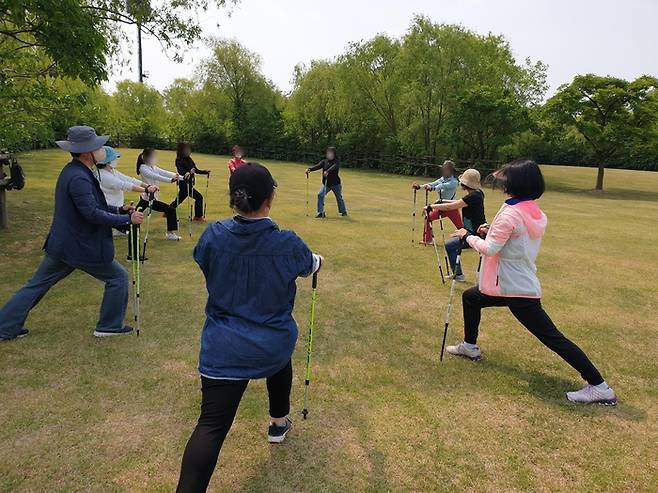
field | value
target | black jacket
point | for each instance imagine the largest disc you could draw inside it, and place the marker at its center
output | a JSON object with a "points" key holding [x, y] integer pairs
{"points": [[186, 164], [331, 167]]}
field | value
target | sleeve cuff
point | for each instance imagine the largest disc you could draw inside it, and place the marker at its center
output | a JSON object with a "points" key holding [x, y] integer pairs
{"points": [[317, 263]]}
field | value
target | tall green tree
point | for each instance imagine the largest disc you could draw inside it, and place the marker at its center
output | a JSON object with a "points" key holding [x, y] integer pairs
{"points": [[313, 109], [608, 112], [369, 70], [139, 113], [256, 103], [43, 40]]}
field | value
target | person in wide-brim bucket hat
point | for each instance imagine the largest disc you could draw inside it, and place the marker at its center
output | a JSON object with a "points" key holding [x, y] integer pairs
{"points": [[80, 139], [471, 179], [80, 238]]}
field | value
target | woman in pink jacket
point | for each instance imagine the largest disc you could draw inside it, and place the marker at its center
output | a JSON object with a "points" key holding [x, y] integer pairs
{"points": [[509, 277]]}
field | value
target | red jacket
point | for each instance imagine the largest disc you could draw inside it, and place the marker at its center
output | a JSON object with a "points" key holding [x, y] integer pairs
{"points": [[235, 163]]}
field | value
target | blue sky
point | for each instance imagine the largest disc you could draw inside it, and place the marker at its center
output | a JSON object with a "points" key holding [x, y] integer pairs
{"points": [[605, 37]]}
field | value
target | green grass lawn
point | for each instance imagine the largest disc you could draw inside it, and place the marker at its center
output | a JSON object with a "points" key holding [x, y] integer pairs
{"points": [[95, 415]]}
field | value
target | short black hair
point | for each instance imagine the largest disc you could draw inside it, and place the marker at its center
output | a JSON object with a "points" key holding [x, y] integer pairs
{"points": [[76, 154], [522, 178]]}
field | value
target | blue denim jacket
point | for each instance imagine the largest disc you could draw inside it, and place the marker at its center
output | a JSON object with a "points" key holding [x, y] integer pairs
{"points": [[250, 269], [81, 231]]}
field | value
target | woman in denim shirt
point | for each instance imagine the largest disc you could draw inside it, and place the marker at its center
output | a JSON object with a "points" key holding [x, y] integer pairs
{"points": [[250, 266]]}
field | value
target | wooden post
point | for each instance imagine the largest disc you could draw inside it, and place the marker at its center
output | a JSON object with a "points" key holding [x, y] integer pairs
{"points": [[4, 216]]}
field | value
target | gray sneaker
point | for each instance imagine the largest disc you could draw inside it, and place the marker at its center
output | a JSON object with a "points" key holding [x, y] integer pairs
{"points": [[461, 350], [591, 394]]}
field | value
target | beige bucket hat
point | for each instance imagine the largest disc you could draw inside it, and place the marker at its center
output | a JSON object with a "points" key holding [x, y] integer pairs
{"points": [[471, 179]]}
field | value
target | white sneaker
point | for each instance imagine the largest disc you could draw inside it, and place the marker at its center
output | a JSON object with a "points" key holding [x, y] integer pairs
{"points": [[591, 394], [172, 236], [461, 350]]}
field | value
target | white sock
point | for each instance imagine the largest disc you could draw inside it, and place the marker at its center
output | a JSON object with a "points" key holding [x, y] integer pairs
{"points": [[602, 386], [470, 346]]}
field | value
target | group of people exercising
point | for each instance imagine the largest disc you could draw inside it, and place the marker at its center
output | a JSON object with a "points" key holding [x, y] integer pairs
{"points": [[251, 267]]}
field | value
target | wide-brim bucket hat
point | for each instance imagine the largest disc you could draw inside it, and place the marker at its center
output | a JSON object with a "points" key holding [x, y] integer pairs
{"points": [[471, 179], [110, 155], [81, 139]]}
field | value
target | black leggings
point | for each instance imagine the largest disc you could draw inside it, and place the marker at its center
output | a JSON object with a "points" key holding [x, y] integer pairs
{"points": [[219, 403], [530, 313], [184, 192], [169, 212]]}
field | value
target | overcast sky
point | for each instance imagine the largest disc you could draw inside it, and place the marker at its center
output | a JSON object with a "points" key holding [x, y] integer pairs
{"points": [[605, 37]]}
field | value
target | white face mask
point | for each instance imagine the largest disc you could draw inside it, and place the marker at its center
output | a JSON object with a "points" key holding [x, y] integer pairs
{"points": [[98, 154], [239, 155]]}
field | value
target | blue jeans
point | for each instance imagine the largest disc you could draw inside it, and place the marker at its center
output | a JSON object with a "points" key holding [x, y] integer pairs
{"points": [[338, 192], [49, 273], [452, 247]]}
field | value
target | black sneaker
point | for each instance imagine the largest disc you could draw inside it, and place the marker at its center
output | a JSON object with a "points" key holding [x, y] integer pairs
{"points": [[321, 215], [126, 329], [344, 214], [277, 434], [21, 333]]}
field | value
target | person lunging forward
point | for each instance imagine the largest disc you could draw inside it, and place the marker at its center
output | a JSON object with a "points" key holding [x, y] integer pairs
{"points": [[508, 278], [250, 267]]}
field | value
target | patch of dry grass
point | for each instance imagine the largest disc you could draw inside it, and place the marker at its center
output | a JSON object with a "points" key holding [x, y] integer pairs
{"points": [[80, 414]]}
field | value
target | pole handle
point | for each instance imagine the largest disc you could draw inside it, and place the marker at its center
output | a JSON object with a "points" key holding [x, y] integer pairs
{"points": [[315, 279]]}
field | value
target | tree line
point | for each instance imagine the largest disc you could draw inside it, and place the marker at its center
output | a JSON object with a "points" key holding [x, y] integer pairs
{"points": [[439, 91]]}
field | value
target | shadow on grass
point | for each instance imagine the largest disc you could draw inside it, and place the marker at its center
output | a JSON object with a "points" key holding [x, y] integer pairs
{"points": [[310, 459], [551, 389], [610, 194]]}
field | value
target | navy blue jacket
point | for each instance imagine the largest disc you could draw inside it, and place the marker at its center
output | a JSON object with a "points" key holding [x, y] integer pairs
{"points": [[81, 232], [250, 269]]}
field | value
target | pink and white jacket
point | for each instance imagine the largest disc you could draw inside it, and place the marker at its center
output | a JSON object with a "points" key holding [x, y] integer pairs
{"points": [[510, 249]]}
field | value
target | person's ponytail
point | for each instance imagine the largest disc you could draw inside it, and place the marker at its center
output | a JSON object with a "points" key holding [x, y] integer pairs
{"points": [[141, 159]]}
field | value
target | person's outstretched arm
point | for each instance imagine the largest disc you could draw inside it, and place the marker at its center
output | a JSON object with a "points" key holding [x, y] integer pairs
{"points": [[316, 167], [452, 205], [81, 190], [499, 233]]}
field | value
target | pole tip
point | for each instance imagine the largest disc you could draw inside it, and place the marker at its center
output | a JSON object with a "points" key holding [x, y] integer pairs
{"points": [[305, 413]]}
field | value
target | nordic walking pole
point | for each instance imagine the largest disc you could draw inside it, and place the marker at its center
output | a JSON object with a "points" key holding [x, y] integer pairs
{"points": [[151, 197], [450, 298], [205, 199], [133, 263], [306, 194], [413, 219], [177, 204], [443, 235], [138, 315], [309, 343], [190, 194], [436, 250]]}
